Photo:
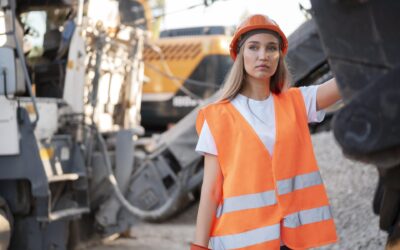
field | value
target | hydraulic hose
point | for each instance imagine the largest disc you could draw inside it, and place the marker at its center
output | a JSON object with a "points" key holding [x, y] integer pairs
{"points": [[153, 215]]}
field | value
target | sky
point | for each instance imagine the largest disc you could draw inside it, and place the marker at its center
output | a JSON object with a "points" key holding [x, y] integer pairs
{"points": [[228, 12]]}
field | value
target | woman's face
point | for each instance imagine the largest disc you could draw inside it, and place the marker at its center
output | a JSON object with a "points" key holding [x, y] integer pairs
{"points": [[261, 56]]}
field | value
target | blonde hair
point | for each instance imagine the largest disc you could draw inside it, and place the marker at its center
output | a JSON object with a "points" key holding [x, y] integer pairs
{"points": [[235, 78]]}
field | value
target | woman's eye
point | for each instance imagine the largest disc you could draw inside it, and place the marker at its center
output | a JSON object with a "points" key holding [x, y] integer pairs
{"points": [[272, 48], [253, 47]]}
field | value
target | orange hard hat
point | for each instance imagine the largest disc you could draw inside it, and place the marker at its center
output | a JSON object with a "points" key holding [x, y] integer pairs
{"points": [[256, 22]]}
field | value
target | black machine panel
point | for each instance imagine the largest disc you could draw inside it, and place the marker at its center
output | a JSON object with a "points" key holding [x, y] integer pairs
{"points": [[361, 40]]}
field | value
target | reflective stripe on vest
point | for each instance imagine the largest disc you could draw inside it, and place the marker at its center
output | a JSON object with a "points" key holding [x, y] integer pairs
{"points": [[248, 201], [305, 217], [268, 198], [299, 182], [245, 239]]}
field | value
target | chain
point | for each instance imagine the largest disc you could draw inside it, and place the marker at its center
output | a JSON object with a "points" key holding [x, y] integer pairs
{"points": [[251, 111]]}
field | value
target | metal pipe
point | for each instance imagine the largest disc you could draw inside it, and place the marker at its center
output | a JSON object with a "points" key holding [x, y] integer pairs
{"points": [[21, 56], [79, 19]]}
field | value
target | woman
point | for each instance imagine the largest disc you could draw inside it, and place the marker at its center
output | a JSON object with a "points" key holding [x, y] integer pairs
{"points": [[261, 187]]}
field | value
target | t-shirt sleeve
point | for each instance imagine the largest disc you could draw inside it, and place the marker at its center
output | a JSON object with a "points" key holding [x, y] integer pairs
{"points": [[310, 100], [206, 143]]}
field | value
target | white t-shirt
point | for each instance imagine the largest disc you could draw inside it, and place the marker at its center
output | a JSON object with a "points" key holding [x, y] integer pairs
{"points": [[254, 110]]}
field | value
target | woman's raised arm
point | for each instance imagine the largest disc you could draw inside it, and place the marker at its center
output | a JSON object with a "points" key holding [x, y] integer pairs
{"points": [[327, 94]]}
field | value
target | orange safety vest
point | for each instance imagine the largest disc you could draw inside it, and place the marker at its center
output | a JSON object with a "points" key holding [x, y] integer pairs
{"points": [[268, 199]]}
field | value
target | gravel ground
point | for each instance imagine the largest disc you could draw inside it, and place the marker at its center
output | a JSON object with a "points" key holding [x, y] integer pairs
{"points": [[350, 188]]}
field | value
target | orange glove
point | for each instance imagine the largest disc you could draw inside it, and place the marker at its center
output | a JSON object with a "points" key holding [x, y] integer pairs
{"points": [[197, 247]]}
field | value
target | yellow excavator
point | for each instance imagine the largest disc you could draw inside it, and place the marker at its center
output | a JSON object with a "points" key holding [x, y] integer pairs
{"points": [[183, 67]]}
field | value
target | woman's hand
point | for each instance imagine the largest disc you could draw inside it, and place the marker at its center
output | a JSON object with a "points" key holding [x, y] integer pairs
{"points": [[197, 247], [327, 94]]}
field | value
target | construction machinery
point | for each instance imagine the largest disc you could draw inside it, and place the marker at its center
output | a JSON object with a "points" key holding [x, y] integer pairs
{"points": [[71, 79], [361, 41]]}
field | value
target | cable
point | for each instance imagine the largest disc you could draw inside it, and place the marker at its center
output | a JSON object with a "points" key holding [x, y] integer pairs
{"points": [[188, 80], [153, 19], [143, 214]]}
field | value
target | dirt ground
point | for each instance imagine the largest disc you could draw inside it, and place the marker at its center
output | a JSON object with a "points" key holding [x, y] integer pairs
{"points": [[175, 234], [350, 186]]}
